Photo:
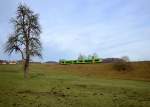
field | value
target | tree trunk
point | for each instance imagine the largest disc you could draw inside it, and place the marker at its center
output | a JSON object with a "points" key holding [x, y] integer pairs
{"points": [[26, 65], [26, 68]]}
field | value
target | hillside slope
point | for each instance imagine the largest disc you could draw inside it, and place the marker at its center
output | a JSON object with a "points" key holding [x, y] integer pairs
{"points": [[140, 70]]}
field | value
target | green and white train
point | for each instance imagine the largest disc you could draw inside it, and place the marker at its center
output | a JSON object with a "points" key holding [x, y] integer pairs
{"points": [[84, 61]]}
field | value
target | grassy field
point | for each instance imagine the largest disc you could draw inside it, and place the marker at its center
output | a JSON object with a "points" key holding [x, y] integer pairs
{"points": [[75, 86]]}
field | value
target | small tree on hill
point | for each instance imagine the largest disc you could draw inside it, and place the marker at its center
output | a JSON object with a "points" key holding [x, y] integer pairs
{"points": [[81, 57], [89, 57], [94, 56]]}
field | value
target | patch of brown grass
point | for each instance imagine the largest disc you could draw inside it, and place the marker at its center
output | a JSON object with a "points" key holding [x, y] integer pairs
{"points": [[139, 71]]}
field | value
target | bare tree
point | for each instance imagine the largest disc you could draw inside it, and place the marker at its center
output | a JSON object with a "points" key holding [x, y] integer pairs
{"points": [[81, 57], [26, 36], [94, 56], [89, 57]]}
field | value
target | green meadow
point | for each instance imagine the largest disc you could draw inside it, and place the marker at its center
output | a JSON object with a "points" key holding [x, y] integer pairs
{"points": [[74, 86]]}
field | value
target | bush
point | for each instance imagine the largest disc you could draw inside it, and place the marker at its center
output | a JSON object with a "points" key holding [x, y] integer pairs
{"points": [[122, 66]]}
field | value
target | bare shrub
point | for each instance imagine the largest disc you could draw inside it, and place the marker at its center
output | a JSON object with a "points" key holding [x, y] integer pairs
{"points": [[122, 66]]}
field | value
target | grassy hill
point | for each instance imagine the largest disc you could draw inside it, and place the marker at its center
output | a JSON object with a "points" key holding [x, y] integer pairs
{"points": [[98, 85], [139, 71]]}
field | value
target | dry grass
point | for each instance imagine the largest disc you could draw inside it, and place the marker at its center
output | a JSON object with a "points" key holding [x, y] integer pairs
{"points": [[140, 71]]}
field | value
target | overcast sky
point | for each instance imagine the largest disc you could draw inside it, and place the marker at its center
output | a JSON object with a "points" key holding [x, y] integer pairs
{"points": [[110, 28]]}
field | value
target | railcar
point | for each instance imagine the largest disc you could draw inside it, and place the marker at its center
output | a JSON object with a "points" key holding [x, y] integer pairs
{"points": [[86, 61]]}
